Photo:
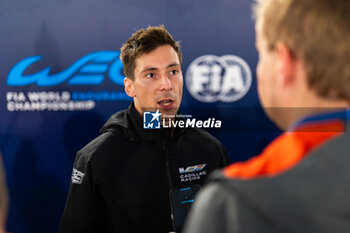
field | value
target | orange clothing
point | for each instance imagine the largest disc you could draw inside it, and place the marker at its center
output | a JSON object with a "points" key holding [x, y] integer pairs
{"points": [[286, 150]]}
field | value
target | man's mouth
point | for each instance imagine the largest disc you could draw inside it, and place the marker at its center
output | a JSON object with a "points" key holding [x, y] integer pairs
{"points": [[166, 102]]}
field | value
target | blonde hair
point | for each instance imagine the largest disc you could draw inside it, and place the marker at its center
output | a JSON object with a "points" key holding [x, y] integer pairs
{"points": [[317, 32]]}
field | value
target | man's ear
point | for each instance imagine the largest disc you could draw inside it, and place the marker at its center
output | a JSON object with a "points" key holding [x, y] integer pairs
{"points": [[286, 64], [129, 87]]}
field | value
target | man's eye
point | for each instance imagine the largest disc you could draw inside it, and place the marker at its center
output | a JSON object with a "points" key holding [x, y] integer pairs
{"points": [[150, 75], [173, 72]]}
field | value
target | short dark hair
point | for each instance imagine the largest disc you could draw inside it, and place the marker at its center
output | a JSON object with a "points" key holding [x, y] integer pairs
{"points": [[144, 41]]}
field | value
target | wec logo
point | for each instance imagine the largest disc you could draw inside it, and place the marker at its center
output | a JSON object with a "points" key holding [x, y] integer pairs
{"points": [[211, 78], [194, 168], [88, 70]]}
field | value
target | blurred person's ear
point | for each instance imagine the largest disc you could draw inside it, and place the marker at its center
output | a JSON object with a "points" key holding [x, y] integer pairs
{"points": [[287, 64]]}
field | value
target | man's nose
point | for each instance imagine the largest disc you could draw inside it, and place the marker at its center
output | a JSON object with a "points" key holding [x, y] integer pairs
{"points": [[165, 83]]}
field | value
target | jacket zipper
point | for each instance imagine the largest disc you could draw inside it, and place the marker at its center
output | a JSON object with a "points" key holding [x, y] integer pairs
{"points": [[167, 167]]}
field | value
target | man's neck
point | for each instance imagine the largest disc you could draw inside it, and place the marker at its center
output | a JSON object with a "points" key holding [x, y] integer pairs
{"points": [[313, 108]]}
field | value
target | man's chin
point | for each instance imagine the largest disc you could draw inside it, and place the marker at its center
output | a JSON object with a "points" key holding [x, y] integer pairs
{"points": [[165, 111], [169, 113]]}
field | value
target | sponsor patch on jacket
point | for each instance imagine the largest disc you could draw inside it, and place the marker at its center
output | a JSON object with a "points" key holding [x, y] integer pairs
{"points": [[194, 168], [77, 176], [192, 173]]}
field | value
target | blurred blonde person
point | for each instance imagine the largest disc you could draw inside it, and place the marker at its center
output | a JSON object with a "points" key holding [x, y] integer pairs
{"points": [[300, 181]]}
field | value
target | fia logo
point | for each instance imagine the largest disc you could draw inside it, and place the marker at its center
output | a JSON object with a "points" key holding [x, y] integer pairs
{"points": [[194, 168], [211, 78], [151, 120]]}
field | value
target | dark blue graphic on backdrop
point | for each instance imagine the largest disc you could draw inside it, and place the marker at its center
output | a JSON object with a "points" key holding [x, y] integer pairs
{"points": [[61, 78]]}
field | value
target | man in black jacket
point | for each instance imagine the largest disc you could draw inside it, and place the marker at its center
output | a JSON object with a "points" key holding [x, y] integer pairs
{"points": [[121, 180]]}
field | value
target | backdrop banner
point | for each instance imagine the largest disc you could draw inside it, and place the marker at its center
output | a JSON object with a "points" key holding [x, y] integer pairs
{"points": [[61, 78]]}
